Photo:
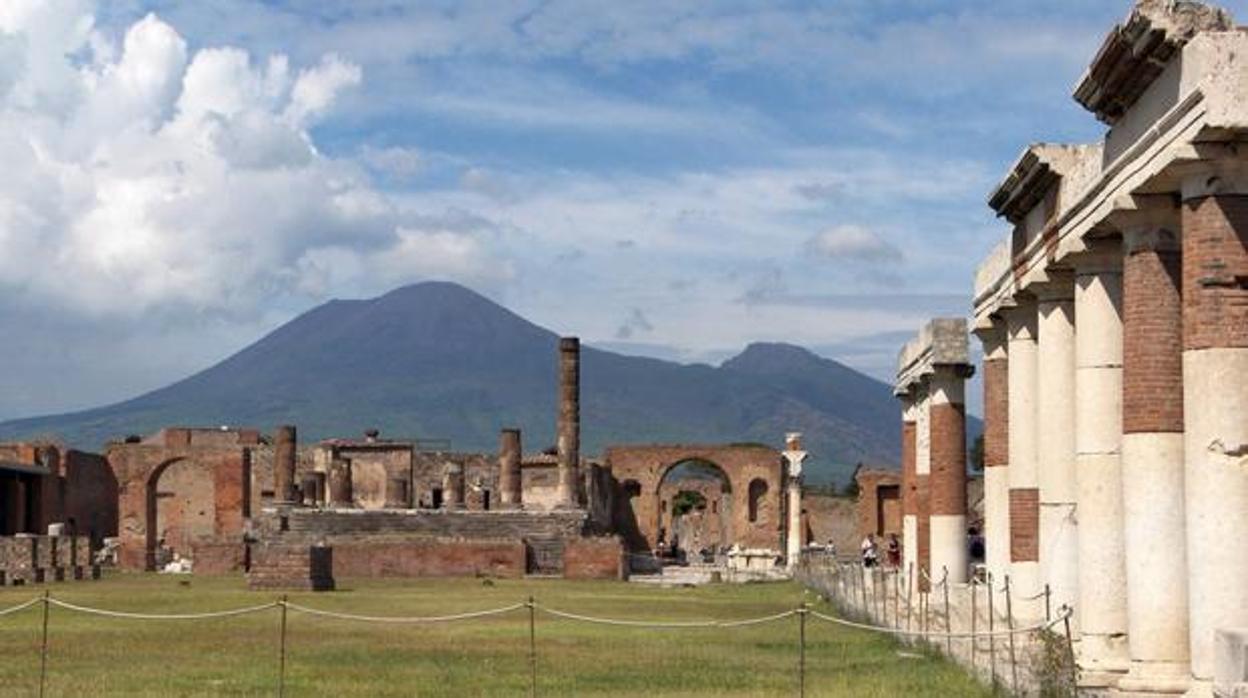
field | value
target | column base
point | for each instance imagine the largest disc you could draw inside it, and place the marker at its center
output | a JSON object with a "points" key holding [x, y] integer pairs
{"points": [[1155, 679], [1197, 688], [1102, 660]]}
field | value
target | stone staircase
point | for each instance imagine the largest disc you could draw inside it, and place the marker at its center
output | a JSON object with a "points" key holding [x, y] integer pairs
{"points": [[332, 523]]}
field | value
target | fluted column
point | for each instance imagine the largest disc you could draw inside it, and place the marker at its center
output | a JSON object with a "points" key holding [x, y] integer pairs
{"points": [[909, 485], [996, 449], [1102, 607], [1059, 539], [947, 484], [1024, 476], [569, 427], [1152, 452], [1215, 387], [509, 476]]}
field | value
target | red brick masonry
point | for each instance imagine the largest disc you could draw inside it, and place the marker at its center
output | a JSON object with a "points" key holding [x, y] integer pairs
{"points": [[1025, 525], [1152, 361], [948, 448], [996, 413], [1215, 272], [593, 558]]}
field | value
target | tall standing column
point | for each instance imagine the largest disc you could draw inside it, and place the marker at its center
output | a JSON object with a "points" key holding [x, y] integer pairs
{"points": [[284, 465], [1102, 606], [794, 455], [509, 477], [923, 480], [1055, 418], [947, 485], [1024, 475], [996, 449], [569, 446], [909, 485], [1152, 453], [1215, 387]]}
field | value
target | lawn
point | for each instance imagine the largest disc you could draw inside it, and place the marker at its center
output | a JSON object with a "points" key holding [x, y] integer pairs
{"points": [[239, 656]]}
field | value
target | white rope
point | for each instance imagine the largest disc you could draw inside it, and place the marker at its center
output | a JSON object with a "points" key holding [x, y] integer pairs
{"points": [[21, 606], [405, 619], [157, 616], [937, 634], [666, 625]]}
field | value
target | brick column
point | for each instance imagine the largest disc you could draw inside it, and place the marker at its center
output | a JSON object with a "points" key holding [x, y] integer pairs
{"points": [[909, 485], [1102, 607], [947, 490], [1152, 452], [509, 477], [284, 465], [996, 449], [1055, 418], [922, 481], [1215, 386], [1024, 478], [569, 431]]}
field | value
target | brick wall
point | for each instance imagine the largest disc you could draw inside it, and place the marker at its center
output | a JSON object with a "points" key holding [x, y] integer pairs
{"points": [[909, 481], [1025, 525], [593, 558], [428, 557], [924, 552], [295, 566], [1215, 272], [217, 557], [948, 478], [1152, 361], [996, 413]]}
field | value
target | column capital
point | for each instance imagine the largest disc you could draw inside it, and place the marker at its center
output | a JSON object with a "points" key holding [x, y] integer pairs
{"points": [[1135, 213], [993, 337], [1060, 288], [1020, 318], [1214, 178], [1100, 256]]}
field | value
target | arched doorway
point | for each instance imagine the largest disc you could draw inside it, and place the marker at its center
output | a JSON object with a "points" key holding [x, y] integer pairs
{"points": [[695, 510], [181, 510]]}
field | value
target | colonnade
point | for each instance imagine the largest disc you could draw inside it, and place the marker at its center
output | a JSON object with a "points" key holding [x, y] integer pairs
{"points": [[931, 377]]}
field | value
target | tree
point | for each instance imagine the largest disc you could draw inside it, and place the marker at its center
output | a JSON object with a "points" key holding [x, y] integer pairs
{"points": [[977, 454], [851, 487]]}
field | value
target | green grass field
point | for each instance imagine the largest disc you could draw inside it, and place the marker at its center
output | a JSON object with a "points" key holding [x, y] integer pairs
{"points": [[239, 656]]}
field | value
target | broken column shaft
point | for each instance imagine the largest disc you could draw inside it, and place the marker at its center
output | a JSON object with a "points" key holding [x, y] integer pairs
{"points": [[569, 427], [284, 464], [509, 478]]}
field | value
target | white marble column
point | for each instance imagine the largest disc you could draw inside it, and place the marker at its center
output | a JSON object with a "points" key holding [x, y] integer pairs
{"points": [[1215, 399], [1024, 475], [1102, 607], [1059, 538], [922, 478], [794, 456], [909, 485]]}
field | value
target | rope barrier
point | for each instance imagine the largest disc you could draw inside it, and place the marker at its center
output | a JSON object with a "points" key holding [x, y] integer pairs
{"points": [[157, 616], [21, 606], [666, 625], [406, 619], [998, 633]]}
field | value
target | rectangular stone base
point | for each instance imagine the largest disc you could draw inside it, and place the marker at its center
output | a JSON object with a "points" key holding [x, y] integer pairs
{"points": [[292, 566]]}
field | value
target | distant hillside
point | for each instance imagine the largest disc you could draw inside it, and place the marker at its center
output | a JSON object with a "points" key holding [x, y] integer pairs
{"points": [[436, 360]]}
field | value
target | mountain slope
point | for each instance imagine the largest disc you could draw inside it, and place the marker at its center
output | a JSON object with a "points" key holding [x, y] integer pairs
{"points": [[436, 360]]}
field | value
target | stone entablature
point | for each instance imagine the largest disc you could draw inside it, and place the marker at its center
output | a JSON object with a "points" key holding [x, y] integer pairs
{"points": [[941, 342], [1173, 120]]}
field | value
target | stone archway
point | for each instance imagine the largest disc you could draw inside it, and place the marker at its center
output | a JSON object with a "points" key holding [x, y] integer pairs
{"points": [[740, 464], [180, 509], [695, 507]]}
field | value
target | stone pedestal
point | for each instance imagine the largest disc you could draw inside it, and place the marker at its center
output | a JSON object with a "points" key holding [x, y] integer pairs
{"points": [[1102, 608]]}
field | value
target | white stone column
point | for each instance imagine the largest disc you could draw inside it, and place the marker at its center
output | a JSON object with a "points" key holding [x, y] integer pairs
{"points": [[909, 485], [996, 449], [1024, 475], [922, 479], [1102, 607], [794, 456], [1215, 399], [1152, 452], [1059, 536]]}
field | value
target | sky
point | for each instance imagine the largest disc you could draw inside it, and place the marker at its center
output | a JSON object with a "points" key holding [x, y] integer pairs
{"points": [[672, 179]]}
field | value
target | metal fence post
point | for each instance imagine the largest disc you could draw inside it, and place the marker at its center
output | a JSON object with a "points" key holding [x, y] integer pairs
{"points": [[532, 647], [948, 617], [43, 650], [862, 578], [897, 598], [281, 667], [974, 620], [909, 596], [992, 641], [801, 651], [1009, 623], [1070, 651], [1048, 609]]}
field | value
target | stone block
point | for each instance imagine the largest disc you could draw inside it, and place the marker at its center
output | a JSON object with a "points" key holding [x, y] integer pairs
{"points": [[1230, 663]]}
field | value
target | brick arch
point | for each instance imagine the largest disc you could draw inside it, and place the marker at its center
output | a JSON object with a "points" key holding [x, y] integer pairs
{"points": [[225, 455], [649, 464]]}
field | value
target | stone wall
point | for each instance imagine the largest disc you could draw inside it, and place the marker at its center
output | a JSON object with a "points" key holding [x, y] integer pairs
{"points": [[401, 556], [217, 557], [299, 567], [30, 559], [594, 558], [833, 519]]}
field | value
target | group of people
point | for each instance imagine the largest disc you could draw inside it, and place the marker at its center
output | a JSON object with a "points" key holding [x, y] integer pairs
{"points": [[870, 550]]}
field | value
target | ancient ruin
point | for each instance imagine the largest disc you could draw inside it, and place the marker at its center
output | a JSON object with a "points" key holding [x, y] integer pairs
{"points": [[1114, 321]]}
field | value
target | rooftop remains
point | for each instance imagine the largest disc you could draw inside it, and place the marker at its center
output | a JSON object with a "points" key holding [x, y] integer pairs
{"points": [[1136, 51], [1040, 168], [941, 342]]}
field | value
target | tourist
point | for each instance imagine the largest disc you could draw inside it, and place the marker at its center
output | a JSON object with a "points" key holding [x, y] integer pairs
{"points": [[894, 551], [870, 551]]}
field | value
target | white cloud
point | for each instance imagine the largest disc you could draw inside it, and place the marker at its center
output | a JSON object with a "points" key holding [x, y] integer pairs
{"points": [[852, 242], [144, 180]]}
